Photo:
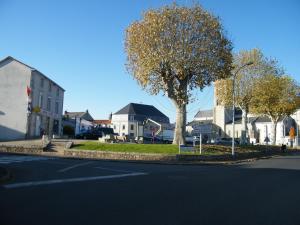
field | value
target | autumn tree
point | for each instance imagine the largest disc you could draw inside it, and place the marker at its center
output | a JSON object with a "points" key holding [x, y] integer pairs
{"points": [[275, 97], [175, 49], [245, 77]]}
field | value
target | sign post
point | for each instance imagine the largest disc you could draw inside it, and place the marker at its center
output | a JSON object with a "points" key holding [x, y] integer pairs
{"points": [[200, 143]]}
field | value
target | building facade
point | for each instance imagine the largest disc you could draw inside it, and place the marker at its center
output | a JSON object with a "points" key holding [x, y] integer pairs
{"points": [[31, 104], [130, 120], [79, 122], [217, 124]]}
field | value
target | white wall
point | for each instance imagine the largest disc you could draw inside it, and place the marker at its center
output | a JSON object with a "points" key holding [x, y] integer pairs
{"points": [[37, 90], [14, 78], [82, 126], [265, 129], [118, 121]]}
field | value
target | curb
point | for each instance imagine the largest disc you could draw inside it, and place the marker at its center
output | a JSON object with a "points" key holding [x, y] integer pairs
{"points": [[173, 162], [161, 162], [4, 174]]}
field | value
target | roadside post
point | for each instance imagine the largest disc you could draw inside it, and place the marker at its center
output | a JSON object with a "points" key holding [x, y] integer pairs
{"points": [[200, 143]]}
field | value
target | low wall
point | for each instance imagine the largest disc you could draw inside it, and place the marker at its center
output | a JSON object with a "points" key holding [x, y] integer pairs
{"points": [[129, 156], [21, 149], [228, 157]]}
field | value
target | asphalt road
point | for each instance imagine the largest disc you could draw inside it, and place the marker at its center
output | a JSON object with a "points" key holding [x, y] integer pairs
{"points": [[63, 191]]}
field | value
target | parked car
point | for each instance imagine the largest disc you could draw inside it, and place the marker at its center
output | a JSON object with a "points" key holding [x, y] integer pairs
{"points": [[95, 133], [91, 135], [226, 141], [156, 139], [191, 139]]}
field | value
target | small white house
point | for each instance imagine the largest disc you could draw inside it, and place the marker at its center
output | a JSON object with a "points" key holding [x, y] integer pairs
{"points": [[130, 120], [79, 121], [261, 130]]}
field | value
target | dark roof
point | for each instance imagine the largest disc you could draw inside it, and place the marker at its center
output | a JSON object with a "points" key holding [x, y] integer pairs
{"points": [[84, 115], [74, 114], [148, 111], [31, 68], [204, 113], [262, 119], [194, 122]]}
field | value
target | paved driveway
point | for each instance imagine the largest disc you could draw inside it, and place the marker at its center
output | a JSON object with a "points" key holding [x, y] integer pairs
{"points": [[64, 191]]}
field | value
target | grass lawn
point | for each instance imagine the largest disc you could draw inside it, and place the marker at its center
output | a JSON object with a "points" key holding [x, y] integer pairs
{"points": [[163, 148]]}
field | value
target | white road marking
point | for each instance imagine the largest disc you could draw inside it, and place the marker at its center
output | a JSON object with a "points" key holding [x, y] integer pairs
{"points": [[115, 170], [68, 180], [74, 166]]}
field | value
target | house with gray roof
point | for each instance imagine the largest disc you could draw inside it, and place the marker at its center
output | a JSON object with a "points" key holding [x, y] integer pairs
{"points": [[82, 115], [31, 104], [78, 121], [130, 120]]}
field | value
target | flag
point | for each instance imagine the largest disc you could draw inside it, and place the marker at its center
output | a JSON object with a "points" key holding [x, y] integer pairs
{"points": [[28, 90]]}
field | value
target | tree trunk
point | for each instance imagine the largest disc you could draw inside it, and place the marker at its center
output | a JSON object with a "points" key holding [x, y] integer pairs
{"points": [[244, 133], [179, 135], [273, 133]]}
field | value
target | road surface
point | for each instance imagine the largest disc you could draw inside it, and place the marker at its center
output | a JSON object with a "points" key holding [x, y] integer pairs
{"points": [[47, 190]]}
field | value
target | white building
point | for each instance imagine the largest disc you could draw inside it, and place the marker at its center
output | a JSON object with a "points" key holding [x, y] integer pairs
{"points": [[131, 119], [79, 121], [217, 123], [30, 102]]}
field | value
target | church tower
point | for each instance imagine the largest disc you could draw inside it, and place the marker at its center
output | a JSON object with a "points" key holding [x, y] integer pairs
{"points": [[222, 114]]}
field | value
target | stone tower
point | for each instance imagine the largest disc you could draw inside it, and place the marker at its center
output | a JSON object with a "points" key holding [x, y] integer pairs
{"points": [[222, 114]]}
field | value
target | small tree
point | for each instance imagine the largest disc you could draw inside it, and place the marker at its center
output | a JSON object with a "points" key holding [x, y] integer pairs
{"points": [[275, 97], [244, 82], [174, 50]]}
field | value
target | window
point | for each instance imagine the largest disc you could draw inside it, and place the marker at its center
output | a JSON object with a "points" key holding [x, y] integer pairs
{"points": [[131, 118], [49, 104], [56, 107], [123, 127], [42, 82], [50, 86], [57, 92], [131, 127], [41, 101]]}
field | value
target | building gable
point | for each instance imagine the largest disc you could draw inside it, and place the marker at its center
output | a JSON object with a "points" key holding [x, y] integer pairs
{"points": [[142, 112]]}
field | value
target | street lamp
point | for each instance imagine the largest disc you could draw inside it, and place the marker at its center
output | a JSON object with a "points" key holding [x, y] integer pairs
{"points": [[233, 102]]}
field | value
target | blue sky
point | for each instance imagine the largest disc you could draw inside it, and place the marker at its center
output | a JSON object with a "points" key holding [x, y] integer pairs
{"points": [[80, 45]]}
